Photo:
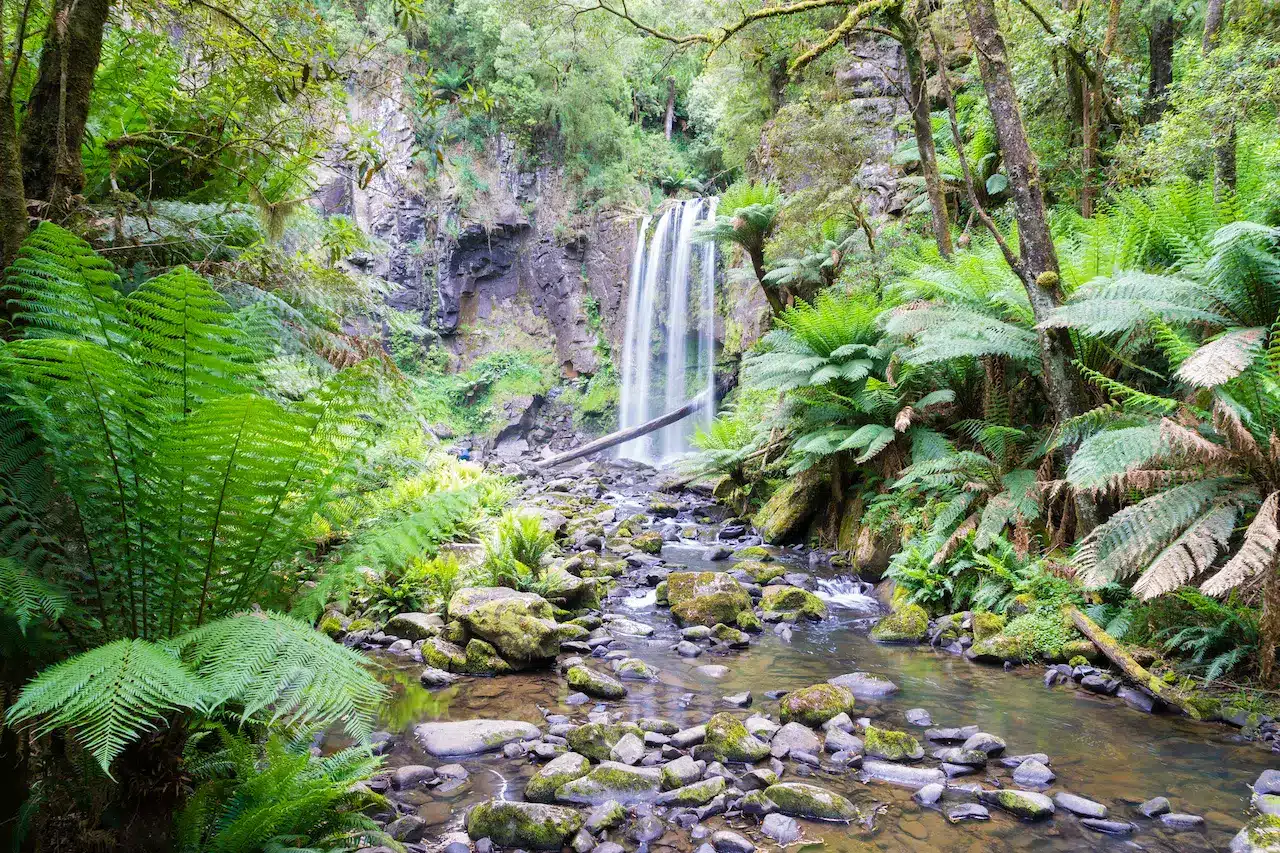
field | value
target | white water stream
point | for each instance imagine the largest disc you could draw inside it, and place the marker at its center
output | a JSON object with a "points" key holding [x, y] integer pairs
{"points": [[668, 352]]}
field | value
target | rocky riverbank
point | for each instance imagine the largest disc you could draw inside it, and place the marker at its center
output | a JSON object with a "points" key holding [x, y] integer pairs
{"points": [[683, 688]]}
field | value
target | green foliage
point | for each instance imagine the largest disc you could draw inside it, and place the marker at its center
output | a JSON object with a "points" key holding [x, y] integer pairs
{"points": [[517, 550], [275, 796], [1219, 638]]}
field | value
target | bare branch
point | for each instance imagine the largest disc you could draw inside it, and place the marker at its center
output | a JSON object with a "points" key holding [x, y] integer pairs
{"points": [[850, 22]]}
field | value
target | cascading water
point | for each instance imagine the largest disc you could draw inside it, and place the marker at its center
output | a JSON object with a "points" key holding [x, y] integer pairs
{"points": [[661, 370]]}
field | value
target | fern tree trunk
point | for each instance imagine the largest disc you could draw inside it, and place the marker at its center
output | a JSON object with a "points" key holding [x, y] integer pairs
{"points": [[58, 106], [1160, 41], [922, 123], [13, 205], [1038, 260], [1224, 152], [1269, 628]]}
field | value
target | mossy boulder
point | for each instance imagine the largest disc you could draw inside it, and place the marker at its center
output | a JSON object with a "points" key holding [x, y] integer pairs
{"points": [[786, 513], [611, 780], [792, 599], [728, 740], [532, 826], [331, 626], [814, 705], [1027, 805], [730, 636], [908, 623], [483, 659], [596, 740], [695, 794], [749, 621], [560, 770], [891, 745], [1081, 649], [1259, 835], [359, 625], [753, 552], [635, 669], [649, 542], [1004, 647], [595, 684], [705, 598], [574, 592], [663, 509], [477, 658], [520, 625], [761, 572], [569, 631], [987, 625], [810, 801], [660, 593]]}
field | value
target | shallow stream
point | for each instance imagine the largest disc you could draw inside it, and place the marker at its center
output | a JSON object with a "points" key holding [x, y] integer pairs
{"points": [[1099, 748]]}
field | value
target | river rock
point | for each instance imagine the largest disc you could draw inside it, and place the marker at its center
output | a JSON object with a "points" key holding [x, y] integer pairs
{"points": [[533, 826], [1155, 807], [432, 677], [606, 816], [687, 649], [838, 740], [1136, 699], [1260, 835], [596, 740], [706, 598], [761, 727], [613, 781], [1079, 805], [411, 775], [695, 794], [757, 804], [738, 700], [728, 740], [727, 841], [521, 626], [780, 828], [712, 670], [1033, 774], [919, 717], [410, 829], [796, 738], [960, 755], [635, 669], [567, 767], [929, 794], [891, 745], [1109, 827], [1268, 804], [902, 775], [967, 811], [791, 599], [469, 737], [815, 705], [682, 771], [909, 623], [1180, 821], [1268, 782], [952, 735], [801, 800], [864, 685], [414, 626], [629, 628], [628, 750], [1027, 805], [595, 684], [988, 743]]}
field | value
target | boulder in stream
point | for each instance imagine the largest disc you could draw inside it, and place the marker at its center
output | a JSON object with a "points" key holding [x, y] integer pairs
{"points": [[533, 826], [706, 598], [728, 740], [471, 737], [800, 800], [814, 705]]}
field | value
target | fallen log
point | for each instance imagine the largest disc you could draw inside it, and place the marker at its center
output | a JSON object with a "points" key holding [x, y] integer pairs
{"points": [[722, 387], [1195, 707]]}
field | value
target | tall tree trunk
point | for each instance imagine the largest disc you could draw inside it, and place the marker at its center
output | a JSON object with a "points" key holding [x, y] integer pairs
{"points": [[59, 103], [1224, 152], [922, 121], [776, 301], [671, 106], [1091, 106], [1038, 260], [1160, 56], [13, 204]]}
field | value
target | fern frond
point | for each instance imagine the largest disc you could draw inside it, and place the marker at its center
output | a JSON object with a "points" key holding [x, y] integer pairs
{"points": [[108, 696], [1257, 552], [281, 667], [27, 597], [1190, 554], [1222, 359]]}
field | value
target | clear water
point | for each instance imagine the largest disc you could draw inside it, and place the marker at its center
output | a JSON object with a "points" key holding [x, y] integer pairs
{"points": [[1098, 747]]}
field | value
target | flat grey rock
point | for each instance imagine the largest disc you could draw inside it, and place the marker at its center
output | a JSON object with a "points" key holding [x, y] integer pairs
{"points": [[967, 811], [471, 737], [1109, 827], [1079, 805]]}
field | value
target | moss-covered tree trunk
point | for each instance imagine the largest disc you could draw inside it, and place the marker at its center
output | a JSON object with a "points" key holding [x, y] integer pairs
{"points": [[922, 124], [1224, 150], [1038, 259], [58, 106], [13, 206], [1160, 41]]}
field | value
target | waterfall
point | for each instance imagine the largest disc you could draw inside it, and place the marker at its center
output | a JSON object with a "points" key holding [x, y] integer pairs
{"points": [[662, 368]]}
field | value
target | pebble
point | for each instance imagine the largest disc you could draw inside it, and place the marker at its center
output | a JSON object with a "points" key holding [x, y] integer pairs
{"points": [[919, 717], [687, 649], [1033, 774], [1181, 821]]}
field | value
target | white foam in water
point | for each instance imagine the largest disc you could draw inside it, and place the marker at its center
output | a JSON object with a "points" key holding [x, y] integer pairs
{"points": [[846, 594], [639, 602]]}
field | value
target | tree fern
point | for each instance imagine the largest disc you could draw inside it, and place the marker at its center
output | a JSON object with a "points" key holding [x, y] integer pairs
{"points": [[27, 597]]}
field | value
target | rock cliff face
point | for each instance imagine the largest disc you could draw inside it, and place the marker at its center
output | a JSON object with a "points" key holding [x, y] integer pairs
{"points": [[875, 81], [497, 265]]}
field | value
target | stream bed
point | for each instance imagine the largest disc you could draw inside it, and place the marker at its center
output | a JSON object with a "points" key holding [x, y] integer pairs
{"points": [[1098, 747]]}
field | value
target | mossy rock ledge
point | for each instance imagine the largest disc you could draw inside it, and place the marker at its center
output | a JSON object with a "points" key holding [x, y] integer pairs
{"points": [[907, 624], [533, 826]]}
